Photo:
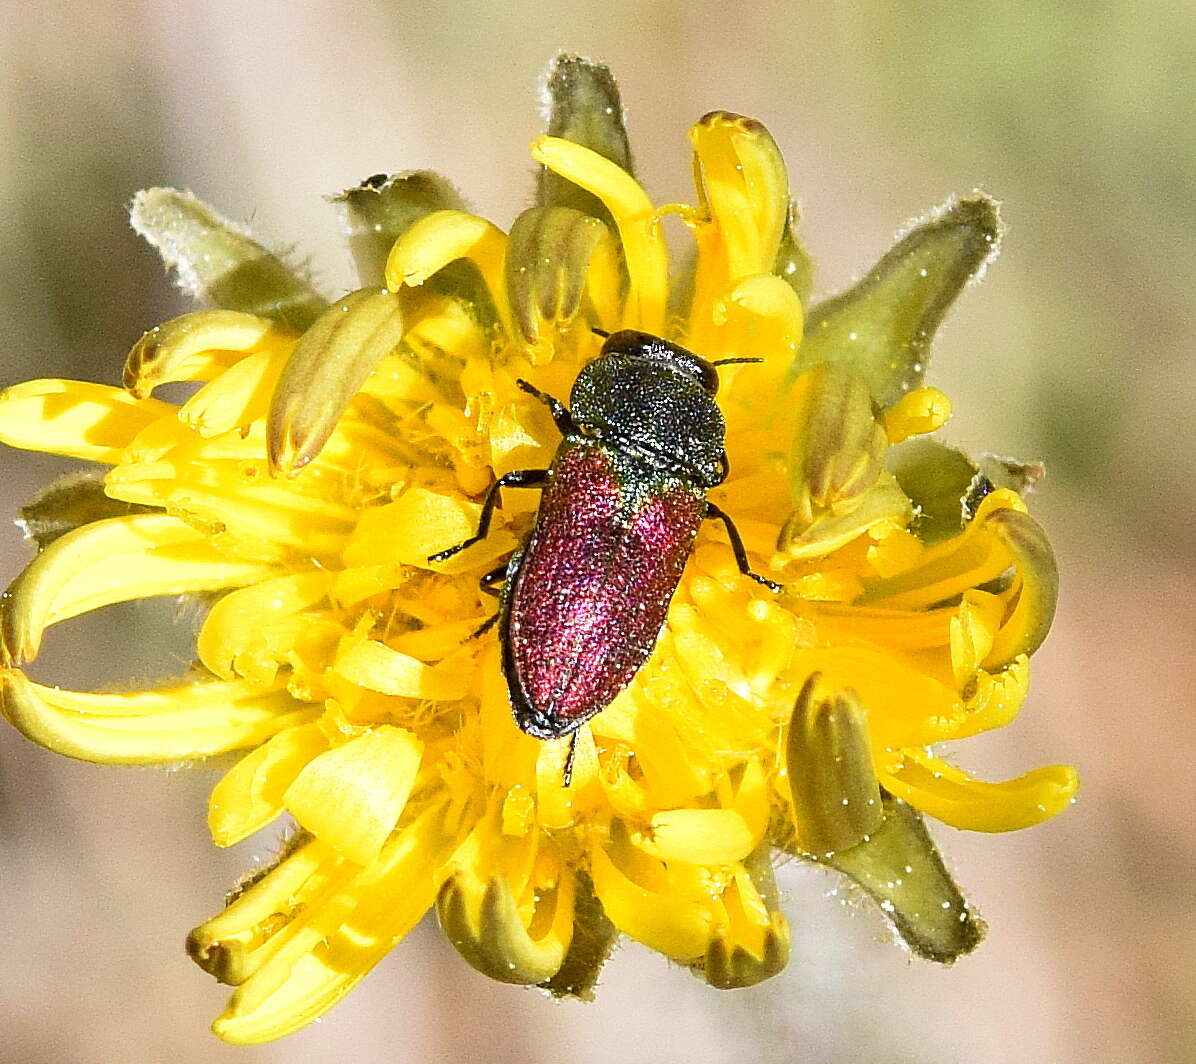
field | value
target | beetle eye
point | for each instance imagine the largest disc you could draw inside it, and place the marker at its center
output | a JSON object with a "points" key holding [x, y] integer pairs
{"points": [[709, 376]]}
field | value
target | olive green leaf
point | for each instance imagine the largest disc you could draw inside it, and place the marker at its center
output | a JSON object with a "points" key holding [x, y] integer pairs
{"points": [[583, 105], [218, 261], [381, 209], [881, 328], [68, 503], [900, 868]]}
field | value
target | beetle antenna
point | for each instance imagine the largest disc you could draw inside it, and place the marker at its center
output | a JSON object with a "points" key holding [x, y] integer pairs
{"points": [[734, 361], [600, 332]]}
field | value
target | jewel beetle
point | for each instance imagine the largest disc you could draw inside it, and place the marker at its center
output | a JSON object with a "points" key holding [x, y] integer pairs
{"points": [[584, 599]]}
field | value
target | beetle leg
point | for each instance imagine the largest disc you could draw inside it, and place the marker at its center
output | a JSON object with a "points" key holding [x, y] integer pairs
{"points": [[484, 627], [492, 582], [517, 478], [560, 412], [567, 774], [737, 547]]}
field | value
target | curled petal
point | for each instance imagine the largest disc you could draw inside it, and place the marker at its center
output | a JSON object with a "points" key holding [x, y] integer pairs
{"points": [[509, 942], [305, 935], [952, 567], [235, 625], [198, 347], [352, 796], [217, 260], [110, 561], [250, 795], [148, 727], [326, 370], [699, 836], [376, 667], [952, 796], [675, 925], [745, 187], [1038, 593], [752, 944]]}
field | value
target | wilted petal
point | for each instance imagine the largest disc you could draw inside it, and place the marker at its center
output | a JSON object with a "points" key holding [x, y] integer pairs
{"points": [[508, 942], [547, 264], [836, 799], [327, 368], [68, 503], [1038, 587]]}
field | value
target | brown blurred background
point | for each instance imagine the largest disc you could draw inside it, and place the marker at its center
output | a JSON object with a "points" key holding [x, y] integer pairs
{"points": [[1077, 350]]}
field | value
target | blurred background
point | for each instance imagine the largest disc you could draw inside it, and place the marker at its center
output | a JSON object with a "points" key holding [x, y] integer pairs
{"points": [[1076, 350]]}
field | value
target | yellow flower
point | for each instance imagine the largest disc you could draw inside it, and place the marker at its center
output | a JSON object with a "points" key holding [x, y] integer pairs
{"points": [[331, 448]]}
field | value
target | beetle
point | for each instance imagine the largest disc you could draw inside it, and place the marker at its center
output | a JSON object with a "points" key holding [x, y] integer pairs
{"points": [[584, 599]]}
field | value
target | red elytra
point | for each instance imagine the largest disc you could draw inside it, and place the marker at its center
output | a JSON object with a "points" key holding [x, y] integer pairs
{"points": [[586, 599]]}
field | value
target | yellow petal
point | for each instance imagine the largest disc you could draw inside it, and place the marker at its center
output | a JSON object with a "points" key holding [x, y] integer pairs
{"points": [[746, 188], [675, 926], [418, 524], [251, 793], [328, 947], [75, 418], [235, 624], [377, 667], [916, 413], [952, 796], [906, 707], [974, 557], [146, 727], [643, 245], [351, 796], [699, 836], [116, 560], [237, 397]]}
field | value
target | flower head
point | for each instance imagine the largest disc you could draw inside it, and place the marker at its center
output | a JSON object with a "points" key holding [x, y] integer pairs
{"points": [[332, 452]]}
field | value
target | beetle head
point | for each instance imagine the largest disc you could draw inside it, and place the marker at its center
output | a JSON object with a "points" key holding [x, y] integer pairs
{"points": [[654, 349]]}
